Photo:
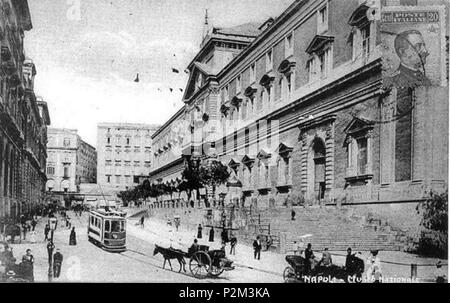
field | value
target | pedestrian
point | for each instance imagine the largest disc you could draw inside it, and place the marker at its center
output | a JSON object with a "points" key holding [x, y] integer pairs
{"points": [[257, 248], [24, 230], [192, 203], [57, 263], [50, 249], [28, 265], [7, 257], [199, 231], [326, 258], [46, 231], [73, 237], [233, 243], [293, 215], [440, 273], [309, 257], [142, 221], [211, 235], [374, 267], [224, 236], [68, 224], [33, 224]]}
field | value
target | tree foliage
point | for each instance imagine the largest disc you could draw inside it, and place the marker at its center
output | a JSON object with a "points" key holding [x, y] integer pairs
{"points": [[214, 174], [433, 241], [435, 212]]}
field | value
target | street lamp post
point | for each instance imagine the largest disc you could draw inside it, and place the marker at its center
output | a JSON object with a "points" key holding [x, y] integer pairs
{"points": [[52, 223], [50, 248]]}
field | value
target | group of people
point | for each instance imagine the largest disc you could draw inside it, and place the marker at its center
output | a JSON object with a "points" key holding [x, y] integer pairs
{"points": [[9, 270], [224, 238], [54, 259]]}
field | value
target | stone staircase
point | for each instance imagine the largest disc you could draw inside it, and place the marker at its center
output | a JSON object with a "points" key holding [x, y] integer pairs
{"points": [[329, 227]]}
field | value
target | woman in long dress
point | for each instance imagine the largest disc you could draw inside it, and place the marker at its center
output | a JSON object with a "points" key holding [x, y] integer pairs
{"points": [[73, 237]]}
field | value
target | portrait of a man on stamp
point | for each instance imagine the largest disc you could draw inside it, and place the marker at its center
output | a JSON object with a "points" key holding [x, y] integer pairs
{"points": [[412, 47]]}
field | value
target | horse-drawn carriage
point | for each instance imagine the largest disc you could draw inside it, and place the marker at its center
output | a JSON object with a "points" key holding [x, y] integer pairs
{"points": [[202, 261], [298, 271]]}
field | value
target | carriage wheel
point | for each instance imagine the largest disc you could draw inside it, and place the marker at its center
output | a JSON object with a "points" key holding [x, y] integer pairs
{"points": [[200, 264], [216, 270], [289, 274]]}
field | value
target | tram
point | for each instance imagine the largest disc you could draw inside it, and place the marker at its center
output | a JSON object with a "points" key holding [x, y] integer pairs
{"points": [[106, 229]]}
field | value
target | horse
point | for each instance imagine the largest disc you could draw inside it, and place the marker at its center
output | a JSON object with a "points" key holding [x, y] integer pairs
{"points": [[169, 254]]}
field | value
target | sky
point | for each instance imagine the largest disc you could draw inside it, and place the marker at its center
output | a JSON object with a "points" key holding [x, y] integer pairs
{"points": [[88, 53]]}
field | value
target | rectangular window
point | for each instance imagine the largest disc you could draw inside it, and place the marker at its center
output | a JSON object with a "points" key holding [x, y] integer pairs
{"points": [[322, 22], [362, 156], [323, 64], [66, 142], [238, 84], [269, 95], [118, 179], [227, 93], [252, 73], [108, 163], [365, 36], [66, 170], [108, 179], [50, 170], [289, 85], [269, 60], [289, 46], [310, 69], [108, 141]]}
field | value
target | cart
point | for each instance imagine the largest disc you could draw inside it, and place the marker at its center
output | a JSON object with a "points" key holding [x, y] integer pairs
{"points": [[205, 262]]}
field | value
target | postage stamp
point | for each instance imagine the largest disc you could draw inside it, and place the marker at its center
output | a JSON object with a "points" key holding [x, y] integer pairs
{"points": [[413, 46]]}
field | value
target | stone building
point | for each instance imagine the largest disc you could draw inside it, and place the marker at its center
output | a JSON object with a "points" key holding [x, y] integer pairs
{"points": [[23, 118], [300, 115], [124, 153], [71, 161]]}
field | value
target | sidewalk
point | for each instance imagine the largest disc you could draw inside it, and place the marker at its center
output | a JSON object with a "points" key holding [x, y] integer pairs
{"points": [[158, 232]]}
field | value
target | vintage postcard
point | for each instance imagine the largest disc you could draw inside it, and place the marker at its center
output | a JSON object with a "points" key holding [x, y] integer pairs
{"points": [[233, 141]]}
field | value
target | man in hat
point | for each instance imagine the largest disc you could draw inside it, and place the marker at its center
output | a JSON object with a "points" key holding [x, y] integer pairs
{"points": [[57, 263]]}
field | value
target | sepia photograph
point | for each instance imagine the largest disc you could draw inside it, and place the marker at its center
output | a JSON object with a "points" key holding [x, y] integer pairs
{"points": [[235, 142]]}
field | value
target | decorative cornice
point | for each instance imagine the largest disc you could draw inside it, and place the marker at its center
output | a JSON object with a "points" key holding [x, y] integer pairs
{"points": [[318, 43], [286, 66], [267, 79], [250, 91], [236, 101]]}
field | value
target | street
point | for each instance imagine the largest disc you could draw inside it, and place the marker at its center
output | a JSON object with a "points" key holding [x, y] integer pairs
{"points": [[86, 262]]}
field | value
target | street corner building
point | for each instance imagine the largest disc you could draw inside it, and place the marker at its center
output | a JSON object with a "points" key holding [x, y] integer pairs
{"points": [[23, 118], [70, 163], [297, 110], [124, 154]]}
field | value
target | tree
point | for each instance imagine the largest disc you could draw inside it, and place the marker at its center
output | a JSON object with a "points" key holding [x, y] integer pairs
{"points": [[214, 174], [191, 180], [434, 212]]}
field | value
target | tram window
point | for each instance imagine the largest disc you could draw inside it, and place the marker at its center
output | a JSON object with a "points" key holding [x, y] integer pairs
{"points": [[92, 220], [106, 226], [116, 226]]}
